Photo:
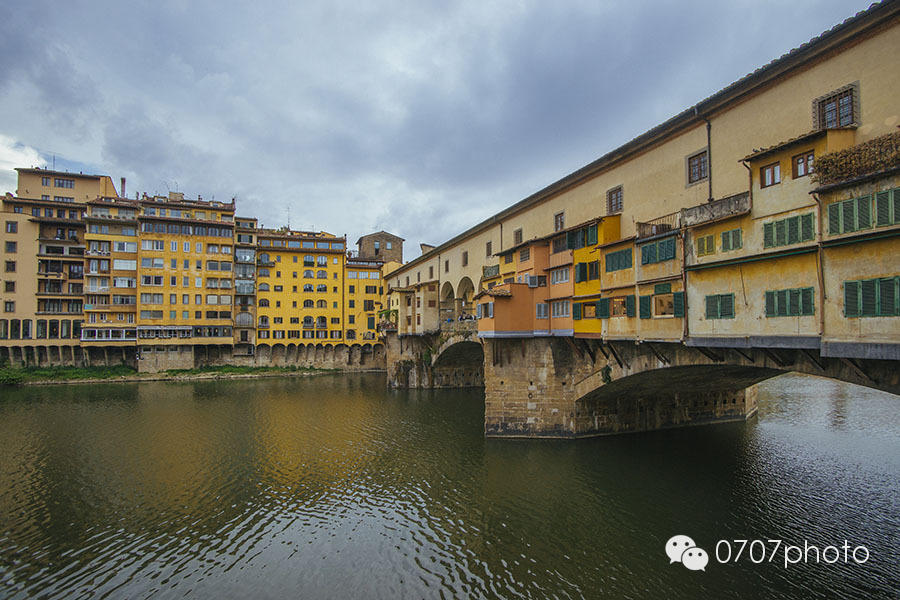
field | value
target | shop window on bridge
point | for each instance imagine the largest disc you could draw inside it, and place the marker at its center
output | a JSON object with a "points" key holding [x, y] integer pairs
{"points": [[720, 306], [658, 251], [791, 230], [619, 260], [872, 297], [790, 302]]}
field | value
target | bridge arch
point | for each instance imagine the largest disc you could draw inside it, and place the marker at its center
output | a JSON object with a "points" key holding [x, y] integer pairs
{"points": [[458, 362]]}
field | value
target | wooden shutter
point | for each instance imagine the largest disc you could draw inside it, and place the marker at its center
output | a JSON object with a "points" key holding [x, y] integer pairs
{"points": [[592, 234], [726, 241], [736, 241], [793, 227], [629, 305], [807, 227], [768, 235], [896, 206], [834, 218], [848, 209], [770, 304], [868, 295], [701, 245], [851, 298], [646, 306], [883, 208], [887, 297], [781, 303], [646, 253], [712, 307], [662, 288], [794, 302], [678, 299], [864, 212], [603, 308], [576, 311], [726, 306], [781, 236], [807, 304], [669, 245]]}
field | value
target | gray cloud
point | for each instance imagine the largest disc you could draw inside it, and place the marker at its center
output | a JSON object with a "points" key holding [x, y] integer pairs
{"points": [[420, 118]]}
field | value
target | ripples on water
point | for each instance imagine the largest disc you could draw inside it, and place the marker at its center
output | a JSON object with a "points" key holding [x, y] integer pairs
{"points": [[330, 487]]}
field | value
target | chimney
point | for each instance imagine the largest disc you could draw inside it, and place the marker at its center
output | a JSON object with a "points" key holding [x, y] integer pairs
{"points": [[122, 191]]}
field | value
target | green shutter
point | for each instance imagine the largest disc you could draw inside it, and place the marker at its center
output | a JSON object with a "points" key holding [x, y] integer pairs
{"points": [[883, 208], [736, 241], [848, 208], [603, 308], [570, 240], [726, 306], [662, 288], [868, 297], [781, 235], [886, 297], [712, 307], [667, 249], [793, 227], [896, 193], [768, 235], [781, 303], [834, 218], [592, 235], [807, 227], [726, 241], [794, 302], [807, 304], [576, 311], [851, 298], [770, 304], [645, 306], [629, 305], [647, 254], [678, 299], [864, 212]]}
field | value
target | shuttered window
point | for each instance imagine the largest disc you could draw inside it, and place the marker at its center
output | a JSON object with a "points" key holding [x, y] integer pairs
{"points": [[720, 306], [706, 245], [850, 215], [616, 261], [731, 240], [658, 251], [887, 207], [646, 307], [791, 230], [581, 272], [878, 297], [790, 302]]}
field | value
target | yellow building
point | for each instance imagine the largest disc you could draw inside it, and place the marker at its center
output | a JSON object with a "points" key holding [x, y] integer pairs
{"points": [[110, 301], [363, 298], [300, 287], [185, 282]]}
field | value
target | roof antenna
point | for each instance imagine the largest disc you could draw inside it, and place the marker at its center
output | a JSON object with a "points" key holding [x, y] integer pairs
{"points": [[289, 216]]}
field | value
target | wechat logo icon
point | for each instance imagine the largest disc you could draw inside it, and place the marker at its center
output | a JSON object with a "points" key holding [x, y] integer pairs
{"points": [[681, 548]]}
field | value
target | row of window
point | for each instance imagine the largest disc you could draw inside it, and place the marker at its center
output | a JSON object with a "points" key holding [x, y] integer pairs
{"points": [[856, 213], [213, 299], [21, 329], [198, 314], [182, 229], [152, 245]]}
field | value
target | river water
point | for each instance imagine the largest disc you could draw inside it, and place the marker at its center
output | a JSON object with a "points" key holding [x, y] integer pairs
{"points": [[333, 487]]}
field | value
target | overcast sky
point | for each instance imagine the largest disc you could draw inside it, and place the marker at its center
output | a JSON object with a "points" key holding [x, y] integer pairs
{"points": [[421, 118]]}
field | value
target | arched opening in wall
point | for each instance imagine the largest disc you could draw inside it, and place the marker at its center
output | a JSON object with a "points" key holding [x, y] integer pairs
{"points": [[465, 293], [459, 363], [448, 302]]}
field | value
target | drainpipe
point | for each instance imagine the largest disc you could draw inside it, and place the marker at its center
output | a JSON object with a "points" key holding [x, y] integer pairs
{"points": [[820, 256], [709, 157]]}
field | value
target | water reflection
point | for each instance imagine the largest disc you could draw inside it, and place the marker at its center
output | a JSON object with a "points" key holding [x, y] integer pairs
{"points": [[333, 487]]}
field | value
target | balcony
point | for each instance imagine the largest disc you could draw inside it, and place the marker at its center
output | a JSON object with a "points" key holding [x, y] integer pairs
{"points": [[724, 208], [877, 155], [658, 226]]}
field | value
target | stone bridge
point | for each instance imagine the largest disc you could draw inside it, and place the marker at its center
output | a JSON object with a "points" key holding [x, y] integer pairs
{"points": [[571, 387]]}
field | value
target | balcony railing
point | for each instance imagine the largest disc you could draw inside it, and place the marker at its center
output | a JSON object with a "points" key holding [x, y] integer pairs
{"points": [[658, 226], [717, 209]]}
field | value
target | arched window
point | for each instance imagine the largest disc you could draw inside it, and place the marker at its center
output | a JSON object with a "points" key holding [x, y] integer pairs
{"points": [[321, 304], [321, 321], [321, 288], [308, 274], [307, 287], [264, 287], [321, 274], [307, 321], [308, 304], [264, 321], [263, 302]]}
